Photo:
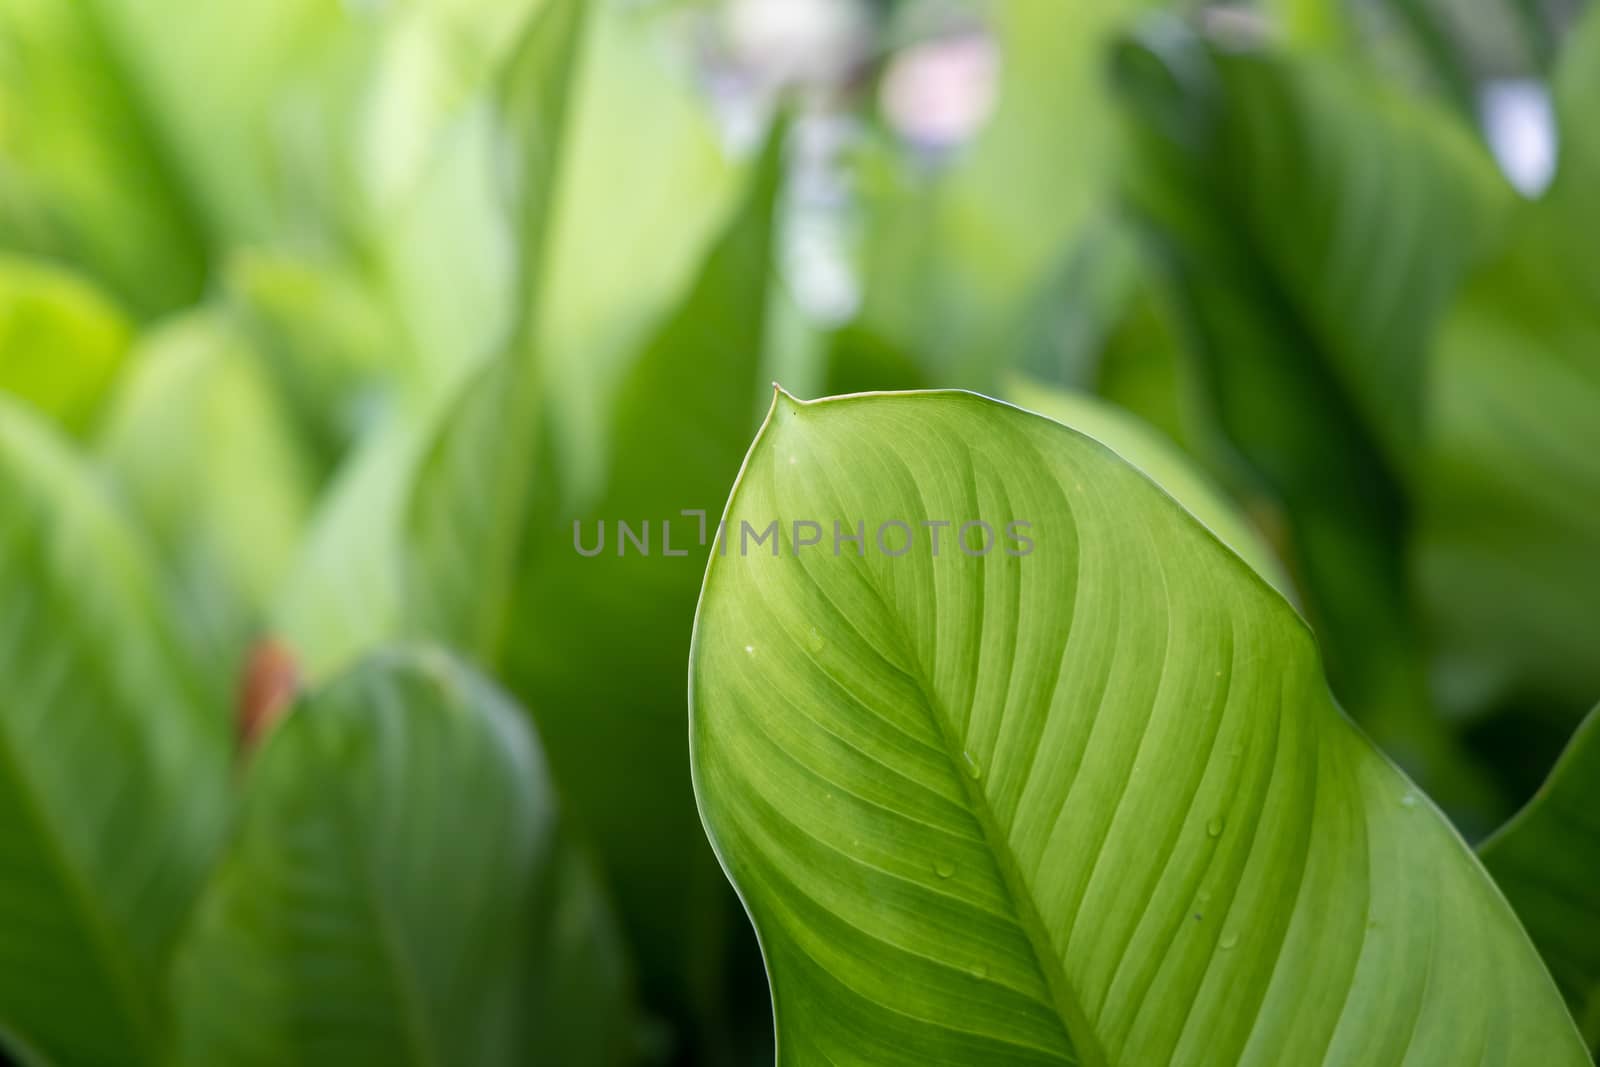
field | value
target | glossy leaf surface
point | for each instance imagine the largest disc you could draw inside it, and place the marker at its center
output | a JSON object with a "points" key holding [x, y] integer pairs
{"points": [[1086, 800]]}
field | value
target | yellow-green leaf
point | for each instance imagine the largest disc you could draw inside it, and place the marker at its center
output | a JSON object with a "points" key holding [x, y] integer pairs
{"points": [[1083, 799]]}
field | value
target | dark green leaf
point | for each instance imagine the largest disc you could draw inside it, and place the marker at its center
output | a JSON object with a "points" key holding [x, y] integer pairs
{"points": [[400, 890], [113, 769], [1507, 522], [1545, 860], [954, 261]]}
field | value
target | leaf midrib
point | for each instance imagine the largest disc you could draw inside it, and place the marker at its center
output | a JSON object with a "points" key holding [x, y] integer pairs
{"points": [[1074, 1022]]}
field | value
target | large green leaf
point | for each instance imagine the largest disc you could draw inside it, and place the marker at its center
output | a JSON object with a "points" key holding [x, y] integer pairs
{"points": [[595, 646], [400, 890], [1507, 523], [1545, 861], [1160, 459], [1315, 228], [61, 342], [113, 769], [1086, 799]]}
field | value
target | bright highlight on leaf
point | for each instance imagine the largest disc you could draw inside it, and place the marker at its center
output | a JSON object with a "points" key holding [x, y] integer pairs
{"points": [[1086, 803]]}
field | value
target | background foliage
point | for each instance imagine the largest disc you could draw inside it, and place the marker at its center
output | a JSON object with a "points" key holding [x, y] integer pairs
{"points": [[322, 322]]}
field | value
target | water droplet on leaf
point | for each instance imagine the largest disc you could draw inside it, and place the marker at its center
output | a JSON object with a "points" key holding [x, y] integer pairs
{"points": [[1214, 827], [944, 868], [814, 640], [970, 765], [1229, 940]]}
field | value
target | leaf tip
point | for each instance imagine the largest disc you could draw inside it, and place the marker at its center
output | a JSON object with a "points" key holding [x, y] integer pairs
{"points": [[784, 403]]}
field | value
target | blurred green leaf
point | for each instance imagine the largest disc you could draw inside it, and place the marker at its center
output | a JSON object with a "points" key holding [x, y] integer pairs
{"points": [[1545, 861], [1142, 367], [484, 459], [1444, 49], [401, 890], [87, 176], [443, 262], [1576, 87], [1508, 527], [113, 768], [1320, 24], [222, 89], [860, 361], [593, 68], [343, 594], [61, 342], [953, 260], [595, 646], [643, 191], [326, 338], [201, 447], [1350, 214], [1084, 801], [1314, 228]]}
